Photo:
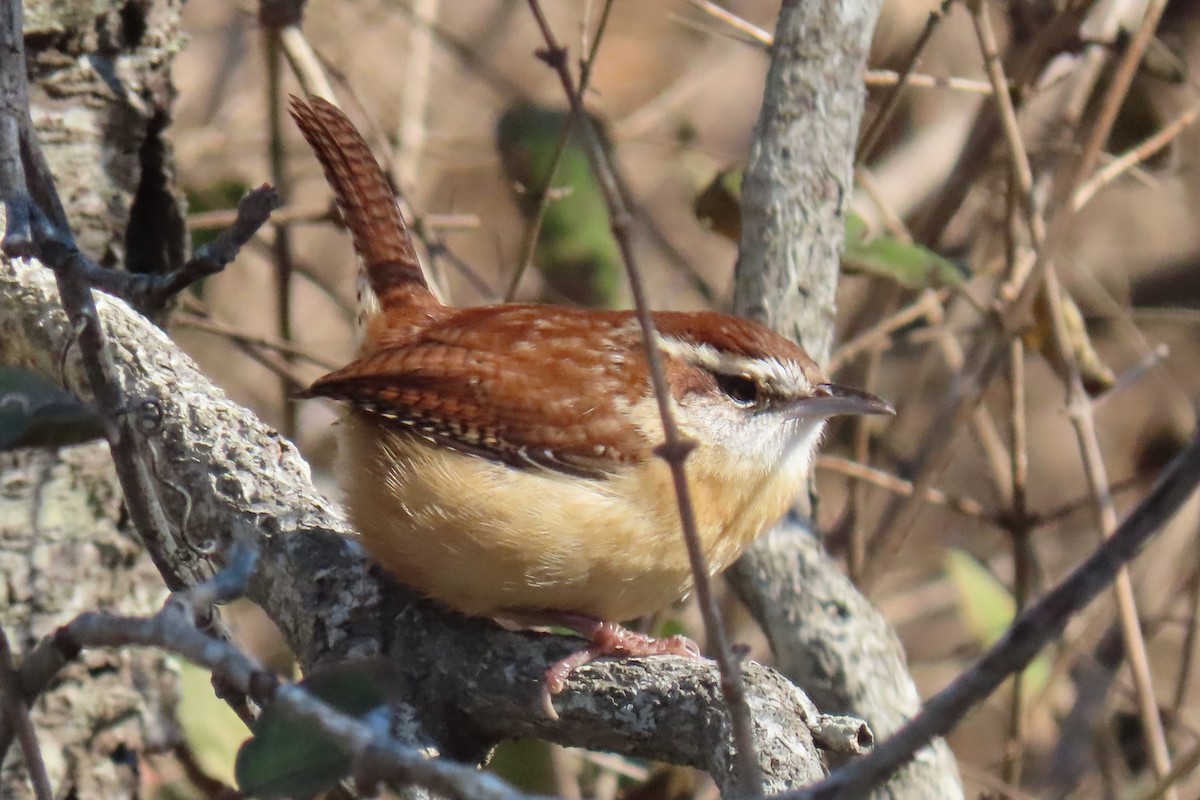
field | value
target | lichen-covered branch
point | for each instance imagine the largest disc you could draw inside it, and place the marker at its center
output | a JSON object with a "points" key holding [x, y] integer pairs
{"points": [[228, 476]]}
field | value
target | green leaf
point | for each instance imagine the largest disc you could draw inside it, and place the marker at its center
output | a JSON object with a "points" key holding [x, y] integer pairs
{"points": [[670, 627], [989, 609], [291, 758], [36, 413], [575, 251], [212, 730], [908, 264]]}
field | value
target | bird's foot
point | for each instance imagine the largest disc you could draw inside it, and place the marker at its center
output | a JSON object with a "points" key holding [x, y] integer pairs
{"points": [[606, 639]]}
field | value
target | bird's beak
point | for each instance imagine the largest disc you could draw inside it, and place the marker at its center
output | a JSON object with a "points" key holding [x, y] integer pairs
{"points": [[832, 400]]}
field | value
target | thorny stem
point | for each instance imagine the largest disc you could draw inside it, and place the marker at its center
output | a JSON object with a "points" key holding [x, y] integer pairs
{"points": [[675, 447]]}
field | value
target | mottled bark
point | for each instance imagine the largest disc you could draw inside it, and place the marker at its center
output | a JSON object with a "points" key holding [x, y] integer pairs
{"points": [[100, 96]]}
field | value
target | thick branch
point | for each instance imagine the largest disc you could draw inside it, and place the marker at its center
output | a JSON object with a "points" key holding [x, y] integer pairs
{"points": [[825, 635], [800, 174], [226, 475]]}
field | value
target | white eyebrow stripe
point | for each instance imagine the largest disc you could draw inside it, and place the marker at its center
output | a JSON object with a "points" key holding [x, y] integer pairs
{"points": [[782, 376]]}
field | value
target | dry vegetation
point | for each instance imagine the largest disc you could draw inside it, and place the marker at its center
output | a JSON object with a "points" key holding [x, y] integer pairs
{"points": [[680, 90]]}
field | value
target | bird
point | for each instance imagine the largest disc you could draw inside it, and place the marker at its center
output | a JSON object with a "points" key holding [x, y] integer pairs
{"points": [[501, 458]]}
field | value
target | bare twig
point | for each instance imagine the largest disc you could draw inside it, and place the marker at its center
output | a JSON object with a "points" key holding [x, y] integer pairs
{"points": [[305, 63], [1084, 424], [1188, 648], [1023, 556], [1131, 158], [173, 629], [151, 292], [253, 211], [1118, 88], [675, 447], [16, 715], [1029, 633], [411, 134], [242, 337], [927, 306], [271, 14], [533, 228], [739, 24], [875, 130], [966, 506]]}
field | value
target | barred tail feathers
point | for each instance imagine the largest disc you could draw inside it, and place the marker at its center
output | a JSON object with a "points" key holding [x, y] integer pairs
{"points": [[393, 275]]}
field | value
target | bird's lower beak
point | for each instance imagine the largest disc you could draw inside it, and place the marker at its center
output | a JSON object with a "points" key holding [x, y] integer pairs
{"points": [[832, 400]]}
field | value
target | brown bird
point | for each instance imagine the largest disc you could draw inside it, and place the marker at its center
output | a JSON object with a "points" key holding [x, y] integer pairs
{"points": [[500, 458]]}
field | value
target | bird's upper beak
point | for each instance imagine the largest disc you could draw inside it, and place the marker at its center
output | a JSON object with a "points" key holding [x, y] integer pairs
{"points": [[831, 400]]}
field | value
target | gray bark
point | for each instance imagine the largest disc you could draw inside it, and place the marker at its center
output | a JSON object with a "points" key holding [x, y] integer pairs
{"points": [[825, 635], [100, 94], [63, 551]]}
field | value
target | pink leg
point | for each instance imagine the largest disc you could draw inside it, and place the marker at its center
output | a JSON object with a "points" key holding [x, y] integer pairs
{"points": [[605, 639]]}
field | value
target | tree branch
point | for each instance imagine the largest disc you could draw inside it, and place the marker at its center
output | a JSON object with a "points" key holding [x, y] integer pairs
{"points": [[825, 635], [230, 477]]}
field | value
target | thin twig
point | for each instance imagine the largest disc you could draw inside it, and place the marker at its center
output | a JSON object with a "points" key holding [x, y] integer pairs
{"points": [[1084, 423], [917, 80], [1023, 556], [1132, 157], [173, 629], [533, 229], [151, 291], [236, 334], [739, 24], [1187, 649], [1018, 158], [1078, 504], [1118, 88], [326, 212], [415, 100], [927, 306], [872, 133], [16, 713], [305, 64], [675, 447], [1029, 633], [966, 506], [871, 77], [282, 246]]}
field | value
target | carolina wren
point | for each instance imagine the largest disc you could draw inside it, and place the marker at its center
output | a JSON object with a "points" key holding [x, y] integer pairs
{"points": [[499, 458]]}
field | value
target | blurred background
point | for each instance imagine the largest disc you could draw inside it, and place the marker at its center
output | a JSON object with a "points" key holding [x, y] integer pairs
{"points": [[467, 118]]}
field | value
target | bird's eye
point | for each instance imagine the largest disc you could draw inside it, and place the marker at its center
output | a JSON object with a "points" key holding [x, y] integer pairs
{"points": [[740, 389]]}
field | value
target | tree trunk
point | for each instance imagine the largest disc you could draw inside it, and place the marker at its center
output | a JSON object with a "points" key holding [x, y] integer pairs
{"points": [[100, 94]]}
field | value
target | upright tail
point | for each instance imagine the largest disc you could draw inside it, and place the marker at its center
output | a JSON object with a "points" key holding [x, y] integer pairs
{"points": [[393, 276]]}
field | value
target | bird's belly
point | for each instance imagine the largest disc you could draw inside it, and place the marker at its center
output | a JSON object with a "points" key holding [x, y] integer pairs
{"points": [[487, 539]]}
